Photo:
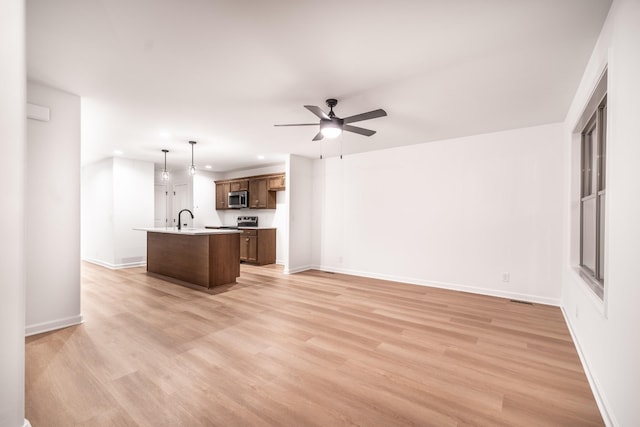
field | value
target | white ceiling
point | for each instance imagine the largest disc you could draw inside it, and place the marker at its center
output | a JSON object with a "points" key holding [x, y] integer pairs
{"points": [[224, 72]]}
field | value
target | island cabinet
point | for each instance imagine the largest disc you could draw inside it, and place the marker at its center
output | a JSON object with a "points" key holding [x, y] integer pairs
{"points": [[201, 259], [258, 246], [259, 195], [222, 195]]}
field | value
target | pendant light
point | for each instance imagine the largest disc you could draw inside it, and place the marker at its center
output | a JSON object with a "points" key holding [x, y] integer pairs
{"points": [[165, 173], [192, 168]]}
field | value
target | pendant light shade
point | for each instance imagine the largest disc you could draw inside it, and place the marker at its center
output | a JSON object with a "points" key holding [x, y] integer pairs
{"points": [[192, 168], [165, 173]]}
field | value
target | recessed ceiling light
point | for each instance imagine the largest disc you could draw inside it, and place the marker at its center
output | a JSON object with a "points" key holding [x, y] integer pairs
{"points": [[164, 134], [261, 157], [208, 167], [118, 152]]}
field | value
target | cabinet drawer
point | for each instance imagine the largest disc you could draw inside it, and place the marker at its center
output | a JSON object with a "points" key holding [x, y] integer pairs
{"points": [[249, 232]]}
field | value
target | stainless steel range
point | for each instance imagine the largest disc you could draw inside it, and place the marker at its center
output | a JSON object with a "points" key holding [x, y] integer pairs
{"points": [[247, 221], [243, 221]]}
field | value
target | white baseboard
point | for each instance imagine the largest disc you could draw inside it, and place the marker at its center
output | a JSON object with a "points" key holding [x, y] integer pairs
{"points": [[26, 423], [115, 266], [52, 325], [601, 400], [442, 285], [298, 269]]}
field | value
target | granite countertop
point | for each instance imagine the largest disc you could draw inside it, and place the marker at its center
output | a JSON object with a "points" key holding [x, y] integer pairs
{"points": [[188, 231]]}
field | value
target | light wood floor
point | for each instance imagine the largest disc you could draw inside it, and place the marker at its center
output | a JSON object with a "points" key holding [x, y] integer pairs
{"points": [[311, 349]]}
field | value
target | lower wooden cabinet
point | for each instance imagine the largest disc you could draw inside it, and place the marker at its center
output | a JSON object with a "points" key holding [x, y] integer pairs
{"points": [[258, 246], [249, 246]]}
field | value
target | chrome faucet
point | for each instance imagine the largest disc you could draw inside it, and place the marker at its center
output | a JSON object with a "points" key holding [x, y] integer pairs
{"points": [[180, 213]]}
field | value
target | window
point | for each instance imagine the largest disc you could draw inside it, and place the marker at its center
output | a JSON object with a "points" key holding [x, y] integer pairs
{"points": [[592, 200]]}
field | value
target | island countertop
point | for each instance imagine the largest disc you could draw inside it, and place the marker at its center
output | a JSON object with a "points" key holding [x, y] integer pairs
{"points": [[188, 231]]}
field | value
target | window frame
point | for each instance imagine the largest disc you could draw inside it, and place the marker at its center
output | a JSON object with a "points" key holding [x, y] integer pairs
{"points": [[593, 186]]}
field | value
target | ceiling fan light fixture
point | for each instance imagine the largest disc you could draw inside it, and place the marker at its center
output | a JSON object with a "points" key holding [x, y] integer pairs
{"points": [[330, 129]]}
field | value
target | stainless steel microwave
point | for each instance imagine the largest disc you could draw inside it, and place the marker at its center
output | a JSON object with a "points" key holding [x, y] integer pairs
{"points": [[238, 199]]}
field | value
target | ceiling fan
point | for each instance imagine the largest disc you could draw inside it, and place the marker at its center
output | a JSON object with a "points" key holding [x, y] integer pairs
{"points": [[331, 125]]}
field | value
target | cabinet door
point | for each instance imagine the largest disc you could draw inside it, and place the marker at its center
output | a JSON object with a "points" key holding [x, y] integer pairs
{"points": [[266, 246], [248, 246], [242, 185], [160, 205], [244, 247], [276, 183], [258, 193], [222, 196], [181, 201]]}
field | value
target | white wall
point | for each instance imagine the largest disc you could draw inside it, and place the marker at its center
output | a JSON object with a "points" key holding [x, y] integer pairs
{"points": [[12, 256], [300, 201], [97, 212], [457, 213], [204, 200], [117, 196], [265, 170], [53, 212], [279, 220], [606, 333], [133, 192]]}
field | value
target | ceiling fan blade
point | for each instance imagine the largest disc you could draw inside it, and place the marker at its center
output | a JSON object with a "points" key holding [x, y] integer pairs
{"points": [[300, 124], [365, 116], [318, 137], [356, 129], [317, 111]]}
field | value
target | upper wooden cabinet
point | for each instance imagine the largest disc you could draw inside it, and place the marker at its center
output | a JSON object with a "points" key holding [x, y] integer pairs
{"points": [[276, 183], [259, 195], [240, 185], [222, 195], [262, 190]]}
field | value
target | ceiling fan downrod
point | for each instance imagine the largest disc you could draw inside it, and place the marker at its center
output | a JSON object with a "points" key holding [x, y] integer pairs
{"points": [[331, 102]]}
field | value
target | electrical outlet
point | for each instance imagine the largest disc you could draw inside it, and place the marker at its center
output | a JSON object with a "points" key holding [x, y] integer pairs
{"points": [[506, 277], [577, 313], [339, 259]]}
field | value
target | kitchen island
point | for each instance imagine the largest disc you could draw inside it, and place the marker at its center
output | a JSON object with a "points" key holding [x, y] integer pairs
{"points": [[197, 258]]}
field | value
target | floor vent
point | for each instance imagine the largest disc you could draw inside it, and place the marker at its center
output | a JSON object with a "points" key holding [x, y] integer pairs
{"points": [[521, 302]]}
